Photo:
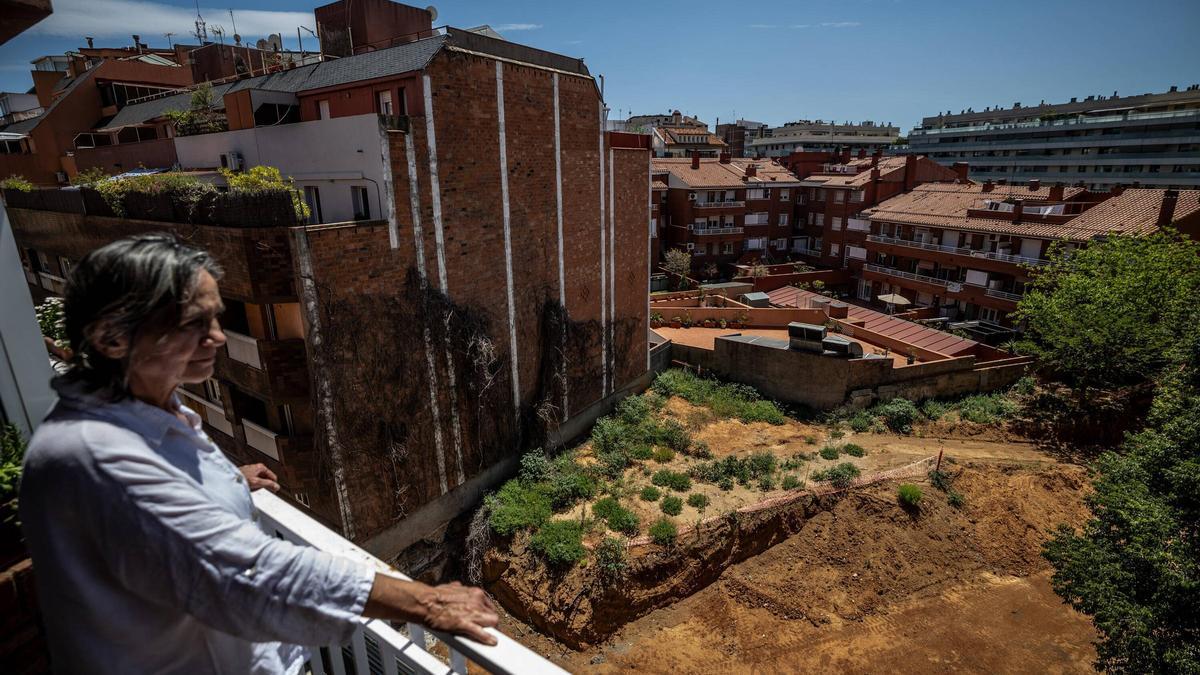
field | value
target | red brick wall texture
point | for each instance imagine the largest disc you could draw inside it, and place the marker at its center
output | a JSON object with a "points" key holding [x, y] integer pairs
{"points": [[442, 340]]}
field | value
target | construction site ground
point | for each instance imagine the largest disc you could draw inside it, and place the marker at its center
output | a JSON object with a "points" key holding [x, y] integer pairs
{"points": [[869, 586]]}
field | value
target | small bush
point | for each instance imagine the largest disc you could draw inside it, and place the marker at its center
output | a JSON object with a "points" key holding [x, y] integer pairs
{"points": [[766, 483], [762, 463], [641, 451], [560, 542], [955, 499], [672, 506], [672, 479], [633, 410], [724, 399], [940, 480], [663, 455], [837, 434], [664, 532], [698, 501], [811, 439], [18, 183], [611, 560], [725, 484], [910, 495], [517, 507], [675, 436], [790, 482], [934, 409], [794, 462], [987, 408], [700, 450], [899, 414], [861, 421], [829, 452], [605, 507], [623, 520], [839, 476], [650, 494], [854, 450], [535, 466]]}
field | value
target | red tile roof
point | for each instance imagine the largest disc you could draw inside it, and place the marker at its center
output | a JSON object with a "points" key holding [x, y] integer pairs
{"points": [[712, 174], [1134, 211], [898, 329]]}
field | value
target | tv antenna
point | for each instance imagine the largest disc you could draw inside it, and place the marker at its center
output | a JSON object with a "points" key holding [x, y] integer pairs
{"points": [[201, 28], [170, 45], [219, 33]]}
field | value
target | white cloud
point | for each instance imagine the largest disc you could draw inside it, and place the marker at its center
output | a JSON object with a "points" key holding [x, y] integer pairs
{"points": [[841, 24], [119, 19], [517, 26], [763, 25], [801, 25]]}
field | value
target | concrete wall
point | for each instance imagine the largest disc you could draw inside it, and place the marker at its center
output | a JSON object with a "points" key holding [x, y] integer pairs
{"points": [[331, 155]]}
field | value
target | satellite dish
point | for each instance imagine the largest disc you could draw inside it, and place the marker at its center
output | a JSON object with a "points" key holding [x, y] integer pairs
{"points": [[275, 41], [261, 44], [237, 39], [432, 13]]}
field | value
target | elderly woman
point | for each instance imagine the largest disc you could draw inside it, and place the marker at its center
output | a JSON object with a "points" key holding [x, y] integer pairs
{"points": [[142, 533]]}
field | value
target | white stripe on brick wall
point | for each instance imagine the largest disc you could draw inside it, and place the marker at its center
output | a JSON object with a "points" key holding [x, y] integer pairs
{"points": [[414, 200], [508, 273], [603, 270], [562, 275], [612, 274], [308, 295], [389, 194], [649, 244], [435, 189]]}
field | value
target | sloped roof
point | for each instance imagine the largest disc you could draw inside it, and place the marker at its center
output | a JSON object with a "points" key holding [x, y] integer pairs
{"points": [[946, 205], [713, 174], [26, 126], [1134, 211]]}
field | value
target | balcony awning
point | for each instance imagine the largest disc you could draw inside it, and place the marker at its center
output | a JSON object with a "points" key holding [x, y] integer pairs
{"points": [[12, 136]]}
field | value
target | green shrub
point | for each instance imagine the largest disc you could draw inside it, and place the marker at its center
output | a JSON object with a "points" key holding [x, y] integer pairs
{"points": [[633, 410], [766, 483], [18, 183], [987, 408], [725, 484], [899, 414], [623, 520], [517, 506], [641, 451], [663, 455], [664, 532], [700, 450], [955, 499], [726, 400], [671, 505], [560, 542], [940, 480], [610, 435], [698, 501], [811, 439], [829, 452], [934, 409], [861, 421], [794, 462], [672, 479], [605, 507], [12, 453], [650, 494], [839, 476], [535, 466], [837, 434], [569, 487], [790, 482], [854, 450], [762, 463], [910, 495], [675, 436], [611, 560]]}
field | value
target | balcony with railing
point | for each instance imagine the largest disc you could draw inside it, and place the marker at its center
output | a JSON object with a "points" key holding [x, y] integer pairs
{"points": [[816, 253], [713, 231], [858, 225], [911, 276], [267, 368], [53, 283], [376, 646], [718, 204], [243, 348], [960, 255], [261, 439], [212, 414]]}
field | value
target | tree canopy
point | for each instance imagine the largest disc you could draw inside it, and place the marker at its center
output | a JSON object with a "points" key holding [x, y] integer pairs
{"points": [[1115, 312]]}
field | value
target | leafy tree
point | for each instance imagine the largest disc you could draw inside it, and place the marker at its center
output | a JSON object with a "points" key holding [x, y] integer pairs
{"points": [[201, 117], [89, 177], [1116, 311], [678, 263], [266, 179], [1135, 566]]}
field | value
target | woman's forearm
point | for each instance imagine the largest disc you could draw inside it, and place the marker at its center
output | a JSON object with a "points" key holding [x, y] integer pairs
{"points": [[453, 608]]}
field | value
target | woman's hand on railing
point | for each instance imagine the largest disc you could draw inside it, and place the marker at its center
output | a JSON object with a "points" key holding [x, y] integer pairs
{"points": [[452, 608], [259, 476]]}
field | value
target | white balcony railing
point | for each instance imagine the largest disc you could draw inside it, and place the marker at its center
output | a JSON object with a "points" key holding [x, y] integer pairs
{"points": [[702, 231], [31, 277], [1006, 257], [377, 647], [858, 225], [807, 251], [52, 283], [262, 439], [717, 205], [243, 348], [905, 275], [879, 239], [212, 413], [1004, 295]]}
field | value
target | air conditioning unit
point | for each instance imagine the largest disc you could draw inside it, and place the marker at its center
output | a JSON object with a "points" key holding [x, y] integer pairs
{"points": [[60, 176], [691, 246], [691, 196], [233, 161]]}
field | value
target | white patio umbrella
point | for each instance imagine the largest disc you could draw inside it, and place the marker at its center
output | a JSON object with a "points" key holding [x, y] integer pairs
{"points": [[894, 299]]}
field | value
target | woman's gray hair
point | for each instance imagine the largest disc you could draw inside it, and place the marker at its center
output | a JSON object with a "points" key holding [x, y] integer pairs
{"points": [[126, 289]]}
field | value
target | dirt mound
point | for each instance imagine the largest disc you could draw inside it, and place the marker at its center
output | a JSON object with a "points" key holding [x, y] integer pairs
{"points": [[841, 559]]}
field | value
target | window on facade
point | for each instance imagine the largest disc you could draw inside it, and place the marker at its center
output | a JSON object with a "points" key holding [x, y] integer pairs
{"points": [[783, 219], [839, 196], [836, 222], [385, 102], [212, 391], [856, 196], [835, 250], [819, 219], [323, 109], [362, 204], [783, 194], [312, 197], [781, 244], [727, 248]]}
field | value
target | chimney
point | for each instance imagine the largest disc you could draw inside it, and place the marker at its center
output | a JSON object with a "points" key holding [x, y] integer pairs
{"points": [[862, 153], [751, 170], [1167, 210], [874, 175], [845, 154], [1002, 181], [89, 41], [1034, 185], [137, 43], [726, 157], [695, 159], [1018, 209], [910, 172], [962, 169], [1056, 192], [988, 186], [1116, 190]]}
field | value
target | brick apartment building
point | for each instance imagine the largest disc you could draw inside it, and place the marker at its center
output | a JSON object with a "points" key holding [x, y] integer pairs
{"points": [[390, 370], [829, 227], [739, 135], [968, 249], [727, 210]]}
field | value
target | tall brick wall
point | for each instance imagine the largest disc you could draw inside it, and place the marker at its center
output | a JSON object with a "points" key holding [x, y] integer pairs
{"points": [[415, 348]]}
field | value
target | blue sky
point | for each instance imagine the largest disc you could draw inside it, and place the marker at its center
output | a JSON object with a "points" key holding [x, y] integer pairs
{"points": [[772, 61]]}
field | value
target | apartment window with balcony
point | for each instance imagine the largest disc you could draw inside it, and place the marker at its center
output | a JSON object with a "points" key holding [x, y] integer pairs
{"points": [[864, 289], [781, 244], [361, 202], [820, 220], [385, 102], [839, 196], [856, 196], [783, 219]]}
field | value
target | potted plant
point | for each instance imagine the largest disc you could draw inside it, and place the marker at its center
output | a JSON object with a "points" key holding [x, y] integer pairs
{"points": [[687, 319], [743, 320], [676, 322], [656, 320], [708, 323], [724, 323]]}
